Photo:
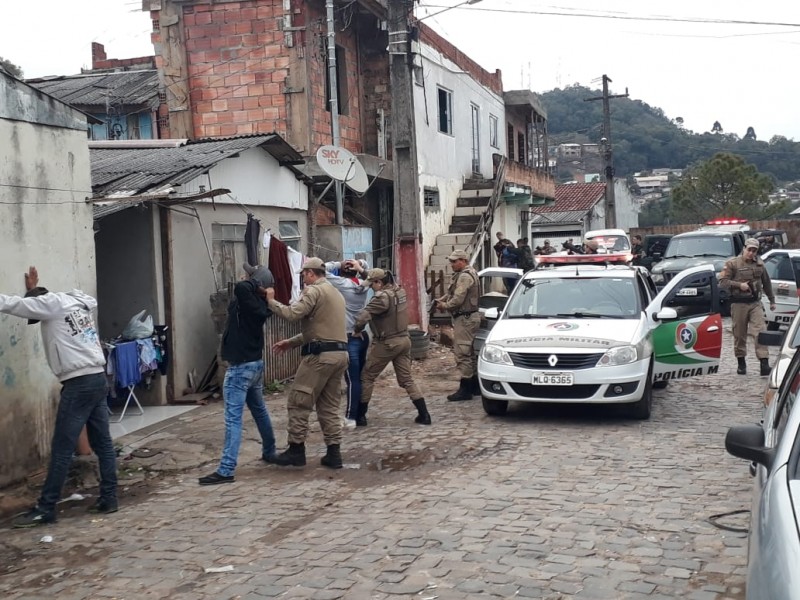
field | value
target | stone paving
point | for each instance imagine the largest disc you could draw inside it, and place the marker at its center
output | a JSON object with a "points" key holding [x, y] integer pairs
{"points": [[548, 502]]}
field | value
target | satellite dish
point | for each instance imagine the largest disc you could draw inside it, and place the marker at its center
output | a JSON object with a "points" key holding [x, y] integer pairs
{"points": [[358, 182], [340, 164]]}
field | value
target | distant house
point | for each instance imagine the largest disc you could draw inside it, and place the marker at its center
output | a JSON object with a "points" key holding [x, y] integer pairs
{"points": [[170, 218], [123, 95], [44, 170]]}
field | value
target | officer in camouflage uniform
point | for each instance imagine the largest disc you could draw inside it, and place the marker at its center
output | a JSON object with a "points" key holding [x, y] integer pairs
{"points": [[461, 300], [318, 380], [388, 318], [745, 278]]}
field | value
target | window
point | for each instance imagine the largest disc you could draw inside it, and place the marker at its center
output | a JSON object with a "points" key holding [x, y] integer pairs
{"points": [[493, 141], [228, 250], [341, 81], [521, 154], [510, 140], [779, 267], [445, 111], [431, 199], [476, 138], [290, 233]]}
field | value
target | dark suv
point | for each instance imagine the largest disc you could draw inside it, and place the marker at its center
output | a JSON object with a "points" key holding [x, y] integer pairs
{"points": [[702, 247]]}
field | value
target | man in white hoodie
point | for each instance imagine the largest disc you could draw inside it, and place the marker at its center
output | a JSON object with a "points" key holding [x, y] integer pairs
{"points": [[73, 351]]}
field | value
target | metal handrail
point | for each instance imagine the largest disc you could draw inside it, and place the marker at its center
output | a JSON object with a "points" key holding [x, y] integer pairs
{"points": [[475, 245]]}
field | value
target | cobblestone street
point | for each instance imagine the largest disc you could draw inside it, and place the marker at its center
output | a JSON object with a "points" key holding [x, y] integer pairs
{"points": [[547, 502]]}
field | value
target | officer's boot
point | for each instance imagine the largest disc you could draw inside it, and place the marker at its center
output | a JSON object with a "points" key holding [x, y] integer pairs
{"points": [[424, 417], [765, 368], [464, 391], [293, 456], [361, 419], [333, 459], [476, 387], [742, 368]]}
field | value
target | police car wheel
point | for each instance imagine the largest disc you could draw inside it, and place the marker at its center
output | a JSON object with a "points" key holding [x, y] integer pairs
{"points": [[494, 408], [660, 385], [642, 407]]}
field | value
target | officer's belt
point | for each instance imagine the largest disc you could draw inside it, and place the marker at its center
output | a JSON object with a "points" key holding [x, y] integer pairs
{"points": [[320, 347], [464, 314], [387, 336], [743, 299]]}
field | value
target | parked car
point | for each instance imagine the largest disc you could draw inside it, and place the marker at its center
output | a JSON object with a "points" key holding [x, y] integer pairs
{"points": [[493, 295], [609, 240], [770, 239], [783, 268], [773, 560], [702, 247], [580, 332]]}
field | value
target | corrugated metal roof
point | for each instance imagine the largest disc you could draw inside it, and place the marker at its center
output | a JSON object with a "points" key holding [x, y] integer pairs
{"points": [[130, 88], [568, 216], [127, 170]]}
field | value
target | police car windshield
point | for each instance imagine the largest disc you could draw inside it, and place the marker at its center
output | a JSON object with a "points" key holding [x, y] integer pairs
{"points": [[579, 297], [700, 246]]}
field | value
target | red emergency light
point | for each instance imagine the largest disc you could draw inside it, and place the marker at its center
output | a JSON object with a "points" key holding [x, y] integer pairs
{"points": [[618, 258], [726, 222]]}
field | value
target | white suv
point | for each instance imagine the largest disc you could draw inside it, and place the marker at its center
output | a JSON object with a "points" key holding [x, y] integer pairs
{"points": [[590, 332]]}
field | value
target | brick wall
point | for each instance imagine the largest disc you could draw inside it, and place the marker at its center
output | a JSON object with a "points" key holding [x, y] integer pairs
{"points": [[101, 61], [376, 88]]}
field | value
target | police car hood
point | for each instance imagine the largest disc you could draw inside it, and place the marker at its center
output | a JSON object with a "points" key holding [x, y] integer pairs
{"points": [[568, 333], [673, 265]]}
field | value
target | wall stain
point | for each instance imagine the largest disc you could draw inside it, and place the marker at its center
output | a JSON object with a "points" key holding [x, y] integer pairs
{"points": [[14, 341], [9, 378]]}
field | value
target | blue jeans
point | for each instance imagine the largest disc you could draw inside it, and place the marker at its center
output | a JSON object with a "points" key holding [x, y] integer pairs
{"points": [[83, 402], [357, 347], [244, 383]]}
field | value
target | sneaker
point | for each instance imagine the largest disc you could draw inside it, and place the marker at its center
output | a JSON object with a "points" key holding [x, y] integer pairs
{"points": [[33, 518], [215, 478], [350, 423], [103, 506]]}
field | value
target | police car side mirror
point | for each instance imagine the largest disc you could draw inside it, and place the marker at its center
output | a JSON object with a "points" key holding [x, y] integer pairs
{"points": [[492, 314], [666, 314]]}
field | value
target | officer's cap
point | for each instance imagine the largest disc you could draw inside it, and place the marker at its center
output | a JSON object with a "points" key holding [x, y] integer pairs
{"points": [[752, 243], [458, 255], [313, 263], [374, 275]]}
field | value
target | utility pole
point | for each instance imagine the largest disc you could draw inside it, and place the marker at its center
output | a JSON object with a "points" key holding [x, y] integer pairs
{"points": [[608, 153], [334, 104], [407, 219]]}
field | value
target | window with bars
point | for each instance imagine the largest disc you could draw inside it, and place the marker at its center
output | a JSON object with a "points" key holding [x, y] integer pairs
{"points": [[228, 251], [431, 199], [510, 141]]}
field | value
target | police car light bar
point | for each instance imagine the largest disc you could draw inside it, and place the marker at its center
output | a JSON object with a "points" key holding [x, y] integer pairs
{"points": [[726, 222], [583, 259]]}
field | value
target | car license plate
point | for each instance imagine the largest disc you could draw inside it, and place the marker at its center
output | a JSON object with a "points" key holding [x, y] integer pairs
{"points": [[783, 291], [544, 378]]}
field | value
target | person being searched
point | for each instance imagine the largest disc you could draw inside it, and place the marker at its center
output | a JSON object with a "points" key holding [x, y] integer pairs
{"points": [[355, 299], [318, 381], [72, 349], [745, 278], [461, 301], [243, 349], [502, 244], [387, 316]]}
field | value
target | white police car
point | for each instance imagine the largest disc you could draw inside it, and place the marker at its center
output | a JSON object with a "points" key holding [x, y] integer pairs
{"points": [[783, 268], [586, 331]]}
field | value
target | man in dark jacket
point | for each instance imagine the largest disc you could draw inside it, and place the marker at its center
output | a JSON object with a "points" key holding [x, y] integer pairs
{"points": [[243, 349]]}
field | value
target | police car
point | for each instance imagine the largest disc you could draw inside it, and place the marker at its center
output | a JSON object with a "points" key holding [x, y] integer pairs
{"points": [[783, 268], [592, 329]]}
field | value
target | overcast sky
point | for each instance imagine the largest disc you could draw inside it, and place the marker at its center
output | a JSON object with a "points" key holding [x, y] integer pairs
{"points": [[738, 74]]}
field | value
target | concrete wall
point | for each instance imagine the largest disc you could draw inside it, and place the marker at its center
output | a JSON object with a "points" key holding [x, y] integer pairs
{"points": [[44, 160], [446, 160], [627, 208]]}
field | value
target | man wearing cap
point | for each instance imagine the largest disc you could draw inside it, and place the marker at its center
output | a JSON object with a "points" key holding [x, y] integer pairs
{"points": [[318, 380], [72, 348], [355, 299], [387, 316], [243, 350], [745, 278], [461, 300]]}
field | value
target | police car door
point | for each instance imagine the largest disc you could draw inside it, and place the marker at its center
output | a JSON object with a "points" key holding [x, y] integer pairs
{"points": [[686, 326]]}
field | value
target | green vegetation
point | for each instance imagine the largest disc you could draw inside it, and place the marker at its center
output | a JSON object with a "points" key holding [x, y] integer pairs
{"points": [[645, 139]]}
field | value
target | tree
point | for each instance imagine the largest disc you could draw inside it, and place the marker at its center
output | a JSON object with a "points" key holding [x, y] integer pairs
{"points": [[11, 68], [726, 186]]}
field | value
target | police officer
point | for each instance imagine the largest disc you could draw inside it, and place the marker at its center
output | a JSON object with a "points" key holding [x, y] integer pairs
{"points": [[318, 380], [461, 300], [746, 278], [388, 318]]}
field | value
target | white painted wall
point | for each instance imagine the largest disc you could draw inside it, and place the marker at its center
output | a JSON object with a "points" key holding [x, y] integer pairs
{"points": [[44, 162], [446, 160], [627, 207]]}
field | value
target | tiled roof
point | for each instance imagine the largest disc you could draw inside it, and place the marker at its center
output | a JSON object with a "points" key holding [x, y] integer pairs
{"points": [[574, 197], [138, 170], [128, 88]]}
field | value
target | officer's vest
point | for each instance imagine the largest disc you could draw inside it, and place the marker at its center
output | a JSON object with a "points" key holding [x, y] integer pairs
{"points": [[395, 320], [747, 272], [470, 303]]}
